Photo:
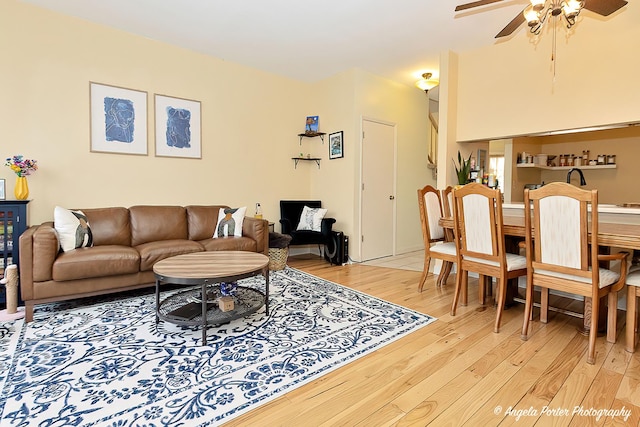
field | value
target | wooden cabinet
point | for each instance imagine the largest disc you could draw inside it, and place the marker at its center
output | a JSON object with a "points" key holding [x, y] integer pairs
{"points": [[13, 222]]}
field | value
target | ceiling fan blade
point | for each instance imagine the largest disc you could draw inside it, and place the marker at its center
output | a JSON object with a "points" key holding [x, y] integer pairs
{"points": [[512, 26], [475, 4], [604, 7]]}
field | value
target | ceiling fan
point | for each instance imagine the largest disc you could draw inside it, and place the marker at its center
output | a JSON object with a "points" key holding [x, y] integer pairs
{"points": [[601, 7]]}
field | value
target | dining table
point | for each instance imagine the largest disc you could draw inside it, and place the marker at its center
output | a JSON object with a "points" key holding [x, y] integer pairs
{"points": [[610, 235]]}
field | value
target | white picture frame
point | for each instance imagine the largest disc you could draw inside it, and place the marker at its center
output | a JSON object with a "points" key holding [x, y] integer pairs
{"points": [[178, 127], [118, 120]]}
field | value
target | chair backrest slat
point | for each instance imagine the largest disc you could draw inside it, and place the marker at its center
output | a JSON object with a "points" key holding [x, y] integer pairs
{"points": [[478, 225], [434, 212], [560, 231]]}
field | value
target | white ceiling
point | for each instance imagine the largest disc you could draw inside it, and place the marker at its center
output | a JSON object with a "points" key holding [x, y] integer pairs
{"points": [[307, 40]]}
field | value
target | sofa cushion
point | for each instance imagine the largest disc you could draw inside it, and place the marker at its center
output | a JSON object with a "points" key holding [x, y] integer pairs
{"points": [[157, 223], [98, 261], [230, 222], [152, 252], [73, 229], [202, 221], [230, 244], [110, 226]]}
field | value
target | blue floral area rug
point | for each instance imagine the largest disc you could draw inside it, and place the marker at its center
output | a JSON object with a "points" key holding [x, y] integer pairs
{"points": [[105, 362]]}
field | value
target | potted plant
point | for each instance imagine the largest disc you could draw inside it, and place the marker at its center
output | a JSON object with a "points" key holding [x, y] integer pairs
{"points": [[463, 169]]}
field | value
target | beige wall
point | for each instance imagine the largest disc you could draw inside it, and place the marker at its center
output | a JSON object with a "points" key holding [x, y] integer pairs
{"points": [[508, 89], [248, 131], [347, 98], [250, 122], [407, 108]]}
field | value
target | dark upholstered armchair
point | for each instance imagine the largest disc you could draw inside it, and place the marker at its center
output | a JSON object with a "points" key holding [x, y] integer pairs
{"points": [[290, 211]]}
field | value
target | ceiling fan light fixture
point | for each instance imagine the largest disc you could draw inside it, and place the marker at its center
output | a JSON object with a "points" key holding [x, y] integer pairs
{"points": [[532, 16], [538, 11], [537, 5], [427, 82], [572, 8]]}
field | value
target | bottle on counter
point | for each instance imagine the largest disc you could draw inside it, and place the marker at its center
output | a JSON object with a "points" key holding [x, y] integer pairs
{"points": [[258, 211]]}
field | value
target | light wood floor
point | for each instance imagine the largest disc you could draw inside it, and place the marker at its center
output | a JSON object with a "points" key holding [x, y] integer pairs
{"points": [[457, 371]]}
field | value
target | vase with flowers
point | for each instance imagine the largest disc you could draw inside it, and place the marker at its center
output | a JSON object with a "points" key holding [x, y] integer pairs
{"points": [[22, 167]]}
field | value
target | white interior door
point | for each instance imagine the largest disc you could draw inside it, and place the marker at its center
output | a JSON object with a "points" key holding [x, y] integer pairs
{"points": [[378, 190]]}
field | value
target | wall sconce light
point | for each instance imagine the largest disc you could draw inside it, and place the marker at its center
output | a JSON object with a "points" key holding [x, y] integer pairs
{"points": [[426, 82]]}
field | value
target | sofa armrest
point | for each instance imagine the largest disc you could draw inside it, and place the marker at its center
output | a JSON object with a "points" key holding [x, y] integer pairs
{"points": [[39, 247], [258, 230]]}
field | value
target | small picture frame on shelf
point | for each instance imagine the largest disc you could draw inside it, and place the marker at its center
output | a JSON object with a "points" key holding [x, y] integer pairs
{"points": [[336, 145], [311, 125], [2, 188]]}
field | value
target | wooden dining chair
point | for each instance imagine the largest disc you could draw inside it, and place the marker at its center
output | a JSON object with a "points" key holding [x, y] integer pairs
{"points": [[633, 292], [435, 246], [446, 196], [564, 254], [479, 237]]}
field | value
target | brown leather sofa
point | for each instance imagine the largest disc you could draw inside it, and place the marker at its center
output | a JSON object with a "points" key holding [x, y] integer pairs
{"points": [[126, 245]]}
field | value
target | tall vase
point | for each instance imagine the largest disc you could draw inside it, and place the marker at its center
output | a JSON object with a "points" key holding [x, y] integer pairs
{"points": [[21, 190]]}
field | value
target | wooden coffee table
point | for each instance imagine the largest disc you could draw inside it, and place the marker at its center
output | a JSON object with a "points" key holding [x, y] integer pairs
{"points": [[209, 269]]}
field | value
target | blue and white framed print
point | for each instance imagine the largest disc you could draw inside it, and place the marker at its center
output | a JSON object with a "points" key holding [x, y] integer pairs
{"points": [[178, 127], [118, 119]]}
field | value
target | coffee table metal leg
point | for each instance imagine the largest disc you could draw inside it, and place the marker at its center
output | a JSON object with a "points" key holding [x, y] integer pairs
{"points": [[266, 291], [203, 296], [157, 300]]}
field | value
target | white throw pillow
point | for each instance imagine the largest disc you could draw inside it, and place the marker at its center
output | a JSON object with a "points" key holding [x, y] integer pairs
{"points": [[230, 219], [311, 219], [72, 228]]}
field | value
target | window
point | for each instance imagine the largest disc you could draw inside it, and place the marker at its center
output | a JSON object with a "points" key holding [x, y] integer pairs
{"points": [[496, 168]]}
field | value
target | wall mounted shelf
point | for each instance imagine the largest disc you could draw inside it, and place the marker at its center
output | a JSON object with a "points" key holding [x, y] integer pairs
{"points": [[311, 135], [307, 159], [564, 168]]}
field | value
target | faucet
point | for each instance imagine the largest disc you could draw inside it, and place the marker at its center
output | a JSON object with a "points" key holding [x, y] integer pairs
{"points": [[582, 181]]}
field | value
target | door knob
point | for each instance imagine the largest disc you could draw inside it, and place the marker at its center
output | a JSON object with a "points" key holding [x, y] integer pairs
{"points": [[391, 197]]}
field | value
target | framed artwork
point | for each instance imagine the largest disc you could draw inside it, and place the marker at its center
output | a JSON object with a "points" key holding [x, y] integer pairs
{"points": [[336, 145], [311, 125], [178, 127], [118, 120], [2, 189]]}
